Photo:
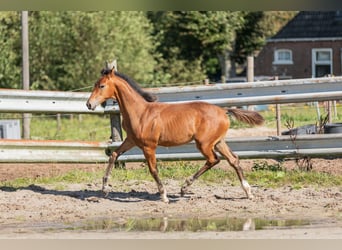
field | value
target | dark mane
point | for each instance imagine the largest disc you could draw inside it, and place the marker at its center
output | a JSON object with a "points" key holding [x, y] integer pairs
{"points": [[146, 95]]}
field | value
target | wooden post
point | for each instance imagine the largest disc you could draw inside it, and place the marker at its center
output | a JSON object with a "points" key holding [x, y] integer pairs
{"points": [[278, 114], [250, 68], [59, 123], [223, 79], [26, 74], [115, 127], [250, 75], [278, 118], [116, 130], [329, 111], [335, 109]]}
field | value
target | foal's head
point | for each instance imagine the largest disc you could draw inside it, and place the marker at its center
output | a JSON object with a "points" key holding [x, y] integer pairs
{"points": [[105, 89]]}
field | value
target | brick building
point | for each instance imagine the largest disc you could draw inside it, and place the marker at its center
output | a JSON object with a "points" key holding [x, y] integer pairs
{"points": [[310, 45]]}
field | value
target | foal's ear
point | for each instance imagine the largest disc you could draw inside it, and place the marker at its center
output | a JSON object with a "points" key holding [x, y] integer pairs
{"points": [[111, 67]]}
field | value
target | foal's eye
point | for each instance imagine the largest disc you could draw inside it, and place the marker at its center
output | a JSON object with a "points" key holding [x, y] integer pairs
{"points": [[102, 86]]}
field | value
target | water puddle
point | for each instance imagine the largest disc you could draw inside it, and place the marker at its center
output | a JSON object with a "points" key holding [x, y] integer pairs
{"points": [[185, 225]]}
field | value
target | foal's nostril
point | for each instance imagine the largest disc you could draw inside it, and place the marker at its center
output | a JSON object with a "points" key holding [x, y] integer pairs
{"points": [[88, 105]]}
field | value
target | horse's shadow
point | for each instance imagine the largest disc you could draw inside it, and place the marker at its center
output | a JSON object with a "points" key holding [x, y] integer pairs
{"points": [[89, 195], [117, 196], [94, 195]]}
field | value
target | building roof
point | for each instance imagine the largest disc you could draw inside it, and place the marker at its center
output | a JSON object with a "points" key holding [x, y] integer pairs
{"points": [[312, 25]]}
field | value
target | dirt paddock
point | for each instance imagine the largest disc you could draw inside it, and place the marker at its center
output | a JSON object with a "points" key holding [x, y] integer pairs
{"points": [[45, 211], [25, 212]]}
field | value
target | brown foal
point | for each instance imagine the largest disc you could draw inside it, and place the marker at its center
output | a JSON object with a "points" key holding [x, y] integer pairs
{"points": [[149, 123]]}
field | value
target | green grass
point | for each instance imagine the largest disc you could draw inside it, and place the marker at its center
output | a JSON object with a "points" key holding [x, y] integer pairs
{"points": [[83, 128], [77, 127], [294, 178], [301, 114], [264, 177]]}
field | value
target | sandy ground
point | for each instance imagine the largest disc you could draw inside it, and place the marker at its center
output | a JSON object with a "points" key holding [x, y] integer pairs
{"points": [[44, 211]]}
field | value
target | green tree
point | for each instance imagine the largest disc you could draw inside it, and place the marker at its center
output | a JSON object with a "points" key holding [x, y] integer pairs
{"points": [[249, 37], [68, 49], [10, 45], [256, 27], [190, 43]]}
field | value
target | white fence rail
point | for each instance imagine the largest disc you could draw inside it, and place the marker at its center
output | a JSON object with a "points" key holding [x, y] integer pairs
{"points": [[232, 94]]}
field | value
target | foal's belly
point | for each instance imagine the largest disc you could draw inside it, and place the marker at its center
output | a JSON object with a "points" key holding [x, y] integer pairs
{"points": [[175, 140]]}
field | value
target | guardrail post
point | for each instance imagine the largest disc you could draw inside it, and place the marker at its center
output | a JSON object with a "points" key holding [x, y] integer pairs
{"points": [[115, 125], [116, 131], [329, 111], [278, 119], [26, 70]]}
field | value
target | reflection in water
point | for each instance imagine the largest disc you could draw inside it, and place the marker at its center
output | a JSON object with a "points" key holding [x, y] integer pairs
{"points": [[166, 224], [248, 225]]}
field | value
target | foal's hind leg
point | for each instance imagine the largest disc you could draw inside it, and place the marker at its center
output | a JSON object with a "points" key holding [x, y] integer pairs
{"points": [[125, 146], [233, 160], [212, 160]]}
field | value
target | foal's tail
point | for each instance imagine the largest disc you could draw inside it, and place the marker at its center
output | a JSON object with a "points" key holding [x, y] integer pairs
{"points": [[247, 116]]}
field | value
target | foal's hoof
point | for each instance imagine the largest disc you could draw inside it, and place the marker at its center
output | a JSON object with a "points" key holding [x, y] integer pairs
{"points": [[105, 191], [250, 197], [185, 186], [184, 191], [167, 201], [164, 198]]}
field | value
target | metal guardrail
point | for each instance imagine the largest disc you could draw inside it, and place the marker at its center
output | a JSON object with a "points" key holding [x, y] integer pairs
{"points": [[34, 101], [228, 94], [263, 92], [51, 151], [232, 94], [253, 93], [255, 147], [252, 148]]}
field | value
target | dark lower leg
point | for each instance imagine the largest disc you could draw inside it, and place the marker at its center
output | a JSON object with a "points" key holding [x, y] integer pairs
{"points": [[105, 188], [188, 182], [161, 189], [152, 164], [126, 145]]}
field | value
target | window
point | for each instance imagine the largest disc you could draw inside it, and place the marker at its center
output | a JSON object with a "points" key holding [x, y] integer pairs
{"points": [[321, 62], [322, 56], [283, 56]]}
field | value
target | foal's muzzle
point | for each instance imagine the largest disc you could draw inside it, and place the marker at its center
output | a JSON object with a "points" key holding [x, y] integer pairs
{"points": [[90, 106]]}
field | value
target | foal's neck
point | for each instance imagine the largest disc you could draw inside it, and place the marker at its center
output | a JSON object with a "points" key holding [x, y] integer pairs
{"points": [[132, 105]]}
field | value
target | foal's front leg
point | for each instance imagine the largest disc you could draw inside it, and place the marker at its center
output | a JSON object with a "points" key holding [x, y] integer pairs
{"points": [[125, 146], [150, 155]]}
